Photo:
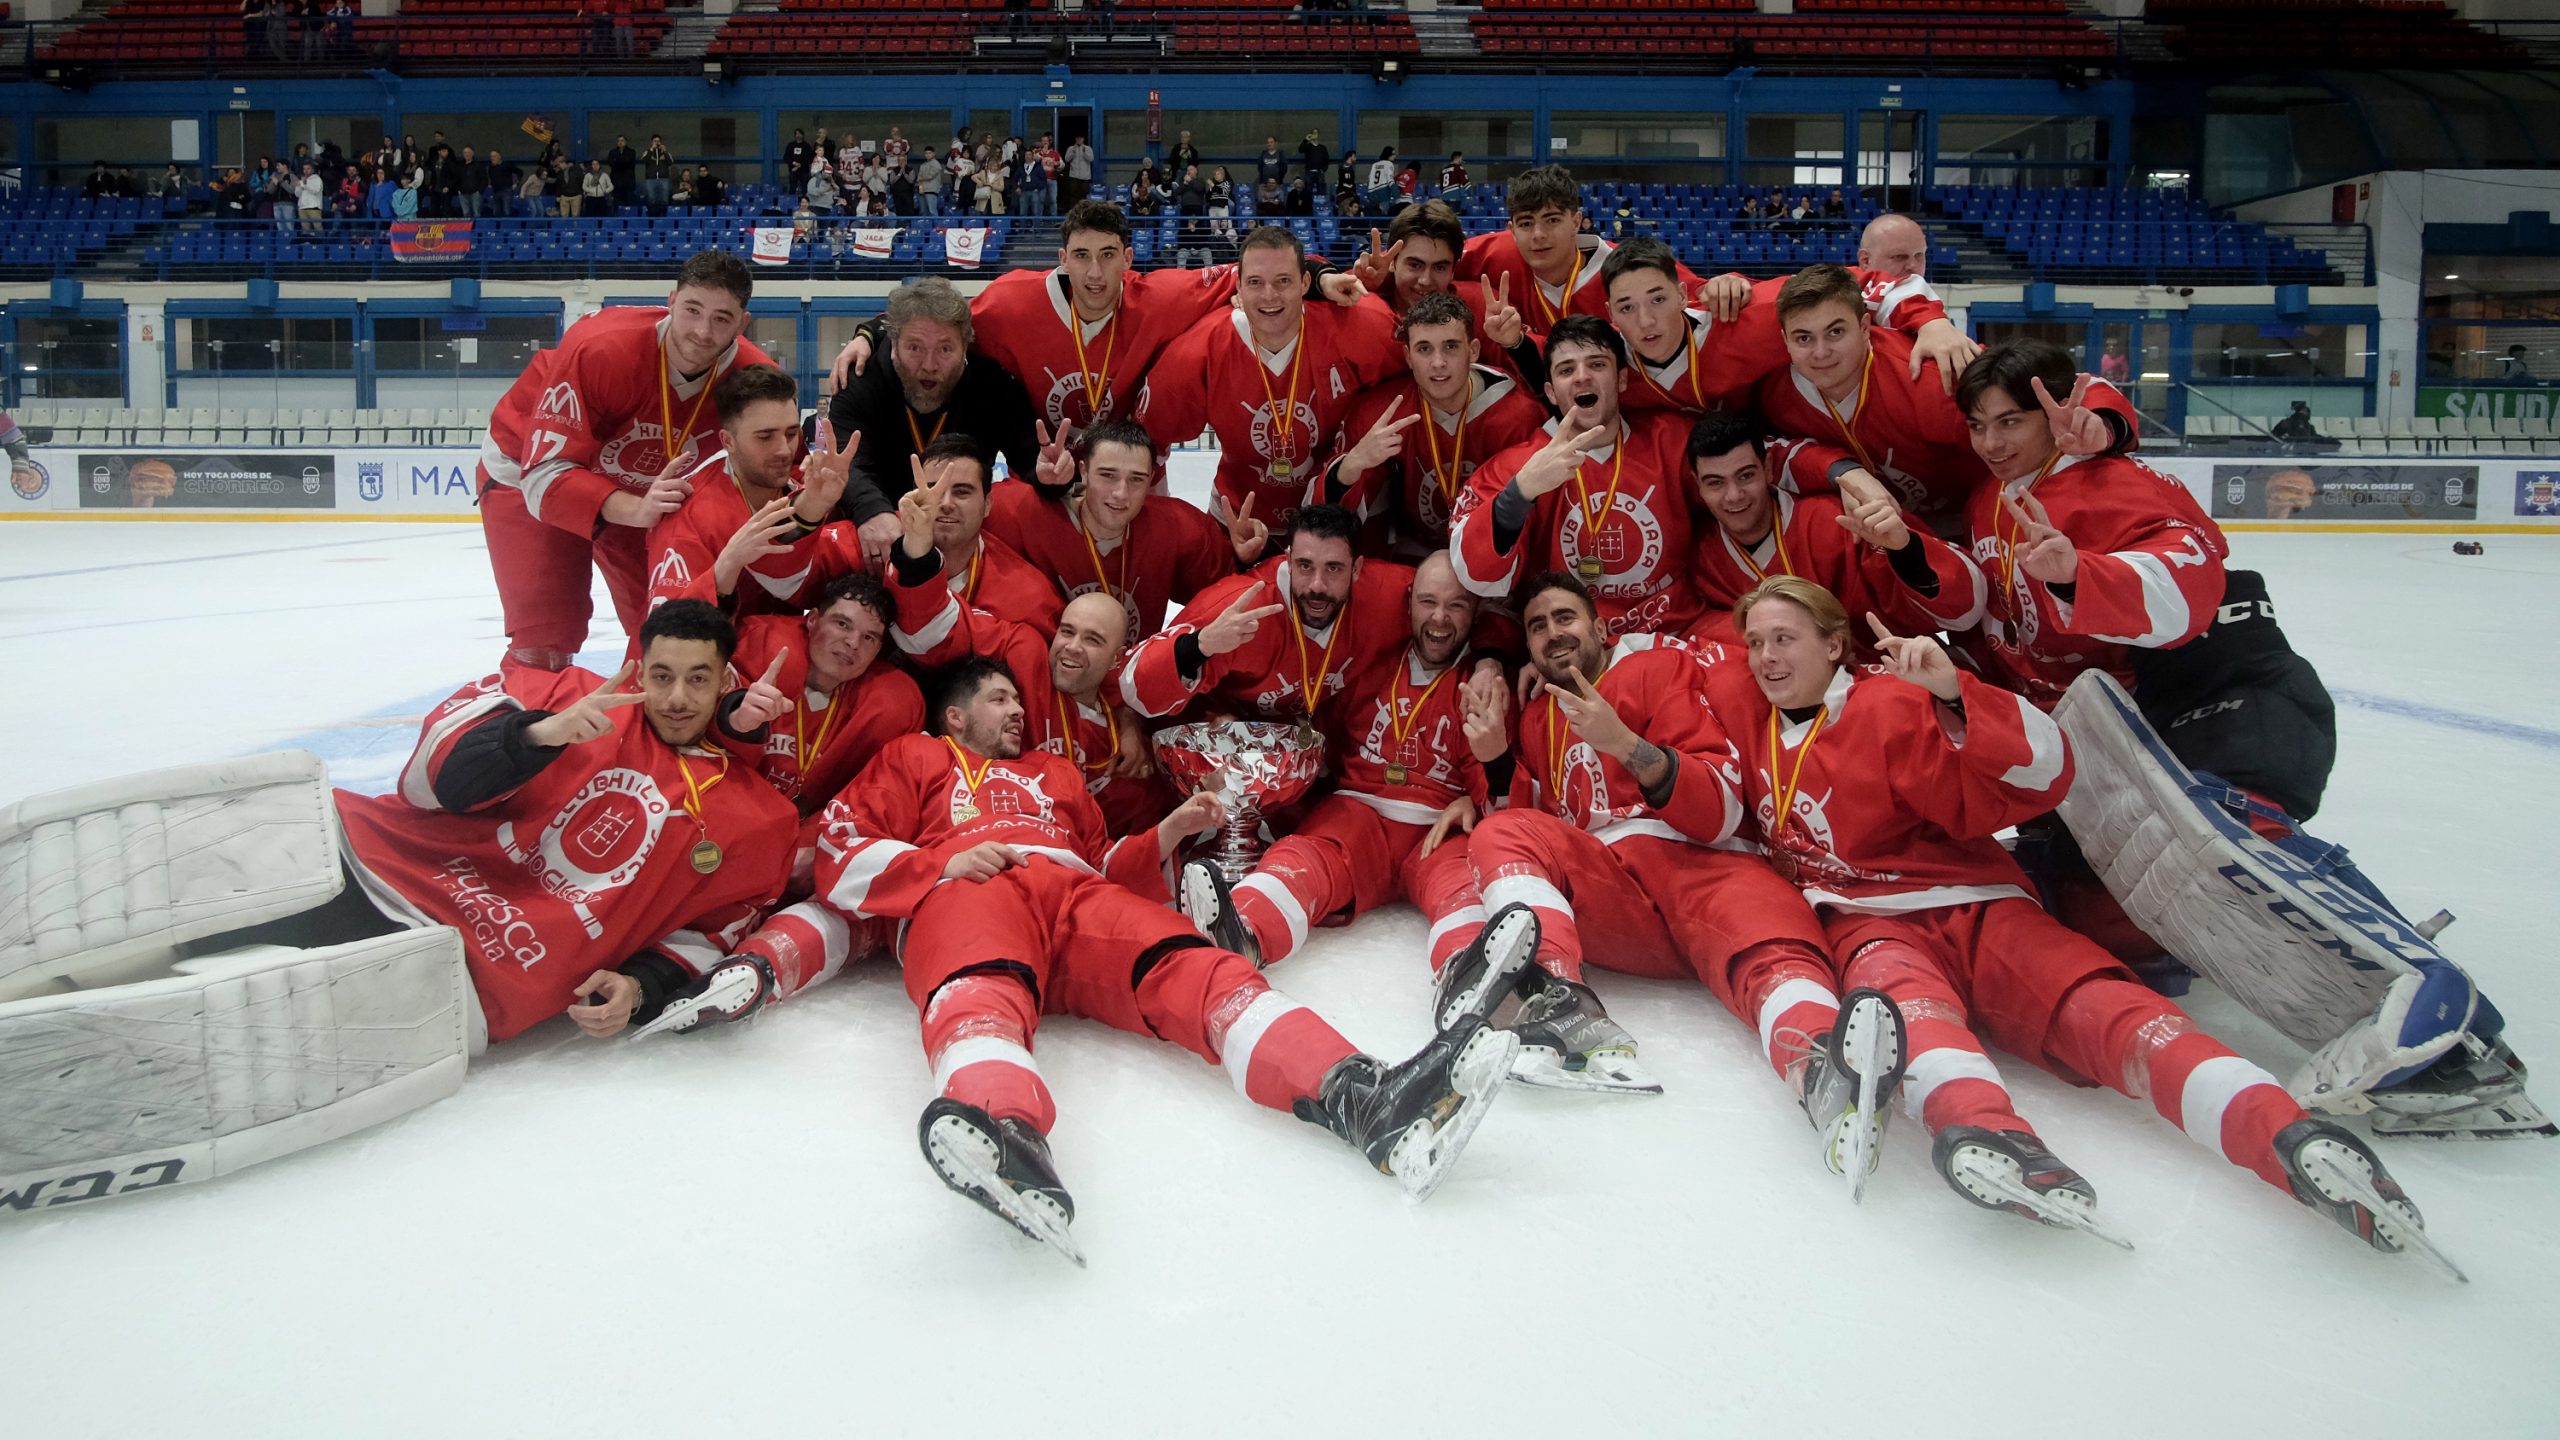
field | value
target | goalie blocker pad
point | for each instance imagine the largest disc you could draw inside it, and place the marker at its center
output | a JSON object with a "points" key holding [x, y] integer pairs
{"points": [[2294, 938], [112, 877], [237, 1058]]}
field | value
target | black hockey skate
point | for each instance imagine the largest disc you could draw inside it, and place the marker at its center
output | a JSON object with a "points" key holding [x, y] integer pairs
{"points": [[1850, 1081], [2337, 1176], [734, 990], [1479, 979], [1003, 1165], [1568, 1042], [1411, 1120], [2474, 1091], [1210, 903], [2011, 1170]]}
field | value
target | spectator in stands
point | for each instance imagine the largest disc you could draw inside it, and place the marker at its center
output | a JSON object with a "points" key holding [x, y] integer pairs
{"points": [[1313, 155], [472, 184], [2517, 366], [1408, 185], [622, 167], [902, 192], [534, 189], [598, 188], [1751, 211], [1347, 184], [1270, 164], [707, 189], [342, 26], [274, 21], [822, 148], [253, 26], [311, 21], [875, 189], [1079, 173], [990, 178], [564, 184], [404, 200], [503, 179], [683, 191], [895, 150], [1379, 196], [2298, 431], [284, 195], [795, 161], [2113, 367], [173, 181], [229, 196], [1052, 165], [1453, 177], [100, 184], [848, 161], [1183, 156], [1222, 205], [626, 36], [657, 174], [930, 181], [1191, 202], [1270, 198], [820, 191], [346, 201], [804, 223], [1837, 207], [1895, 245], [310, 199]]}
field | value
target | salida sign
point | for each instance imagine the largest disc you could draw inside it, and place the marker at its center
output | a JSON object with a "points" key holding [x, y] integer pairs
{"points": [[2490, 402]]}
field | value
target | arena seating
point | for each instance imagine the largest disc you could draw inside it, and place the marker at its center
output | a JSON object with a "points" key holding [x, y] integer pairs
{"points": [[2398, 33], [1211, 31], [167, 34], [56, 230], [2006, 31], [2064, 230], [833, 31]]}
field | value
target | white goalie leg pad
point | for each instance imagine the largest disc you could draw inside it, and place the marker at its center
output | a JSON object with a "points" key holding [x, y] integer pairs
{"points": [[248, 1055], [104, 880], [2331, 969]]}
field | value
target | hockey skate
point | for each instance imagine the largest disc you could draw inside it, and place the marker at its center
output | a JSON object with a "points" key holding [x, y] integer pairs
{"points": [[1568, 1042], [1003, 1165], [1479, 979], [1849, 1083], [1411, 1120], [2011, 1170], [2337, 1176], [1210, 903], [734, 990], [2474, 1092]]}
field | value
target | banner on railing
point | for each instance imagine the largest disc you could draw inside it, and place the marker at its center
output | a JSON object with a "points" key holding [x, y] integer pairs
{"points": [[430, 239], [2315, 491], [964, 248], [773, 245], [194, 480], [2489, 402], [873, 244]]}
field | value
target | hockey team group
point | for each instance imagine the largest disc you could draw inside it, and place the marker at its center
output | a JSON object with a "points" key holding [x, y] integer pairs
{"points": [[1646, 623]]}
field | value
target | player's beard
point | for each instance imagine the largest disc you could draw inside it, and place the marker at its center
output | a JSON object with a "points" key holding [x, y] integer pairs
{"points": [[1580, 659], [996, 739], [1437, 653], [688, 730], [1318, 612]]}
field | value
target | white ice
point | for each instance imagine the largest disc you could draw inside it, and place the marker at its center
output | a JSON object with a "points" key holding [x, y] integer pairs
{"points": [[736, 1233]]}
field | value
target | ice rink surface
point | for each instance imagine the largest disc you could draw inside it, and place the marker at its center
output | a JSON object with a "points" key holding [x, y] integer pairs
{"points": [[735, 1234]]}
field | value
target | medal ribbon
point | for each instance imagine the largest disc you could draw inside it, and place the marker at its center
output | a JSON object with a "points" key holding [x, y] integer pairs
{"points": [[2008, 535], [1284, 418], [1311, 687], [809, 753], [693, 792], [972, 779], [1777, 533], [1446, 481], [1689, 348], [921, 438], [1785, 796], [1067, 734], [1095, 551], [1572, 283], [1397, 731], [674, 439], [1592, 518], [1848, 427], [1097, 384]]}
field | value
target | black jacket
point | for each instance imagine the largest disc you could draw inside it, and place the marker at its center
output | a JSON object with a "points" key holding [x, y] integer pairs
{"points": [[2238, 702], [988, 405]]}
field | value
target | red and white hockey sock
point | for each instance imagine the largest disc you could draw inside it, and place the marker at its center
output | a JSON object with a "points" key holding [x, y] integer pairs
{"points": [[1214, 1005], [1454, 932], [1948, 1078], [1559, 940], [977, 1038], [1442, 885], [1786, 991], [805, 944], [1276, 914], [2142, 1044]]}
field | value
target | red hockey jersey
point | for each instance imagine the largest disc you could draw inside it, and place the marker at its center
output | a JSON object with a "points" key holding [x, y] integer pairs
{"points": [[1078, 371], [587, 864], [1635, 557], [1807, 541], [825, 741], [1659, 688], [1723, 360], [2150, 575], [1400, 741], [1171, 551], [995, 578], [1416, 492], [884, 842], [1284, 672], [1891, 801], [1274, 419], [1491, 256], [594, 414]]}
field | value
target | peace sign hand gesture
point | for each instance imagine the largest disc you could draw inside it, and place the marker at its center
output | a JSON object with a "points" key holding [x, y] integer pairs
{"points": [[1248, 535], [1377, 264], [1233, 628], [1502, 323], [763, 704], [2077, 429], [2041, 550], [916, 511], [824, 473], [1485, 716], [591, 718], [1057, 466], [1593, 718], [1384, 442], [1917, 660], [1555, 463]]}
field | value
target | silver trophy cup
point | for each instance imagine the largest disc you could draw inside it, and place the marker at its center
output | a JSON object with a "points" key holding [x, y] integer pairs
{"points": [[1254, 765]]}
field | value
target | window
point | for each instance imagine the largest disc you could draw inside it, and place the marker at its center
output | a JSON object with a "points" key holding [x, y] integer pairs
{"points": [[78, 358], [1791, 149], [2249, 351], [924, 129], [68, 146], [353, 134], [2021, 150], [228, 344], [1425, 140], [692, 135], [1225, 137], [460, 343]]}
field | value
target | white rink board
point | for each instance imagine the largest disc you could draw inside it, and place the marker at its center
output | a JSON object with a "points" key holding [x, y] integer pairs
{"points": [[735, 1235]]}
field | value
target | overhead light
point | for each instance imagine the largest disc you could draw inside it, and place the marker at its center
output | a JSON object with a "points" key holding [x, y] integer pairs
{"points": [[2453, 277]]}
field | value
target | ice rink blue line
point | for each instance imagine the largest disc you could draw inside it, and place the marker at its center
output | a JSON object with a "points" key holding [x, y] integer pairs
{"points": [[2437, 715], [225, 555]]}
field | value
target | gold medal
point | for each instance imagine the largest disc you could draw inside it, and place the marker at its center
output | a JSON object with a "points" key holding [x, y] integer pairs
{"points": [[1306, 733], [706, 856], [1785, 864], [1283, 469], [964, 814], [1588, 567], [1396, 774]]}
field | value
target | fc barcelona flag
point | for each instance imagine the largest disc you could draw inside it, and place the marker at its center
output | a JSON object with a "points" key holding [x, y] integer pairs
{"points": [[430, 239]]}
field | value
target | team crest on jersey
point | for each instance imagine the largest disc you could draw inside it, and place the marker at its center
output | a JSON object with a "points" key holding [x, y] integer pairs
{"points": [[560, 402], [595, 844], [1585, 789], [1021, 795], [1432, 509], [1805, 849], [1628, 545], [672, 573], [639, 455], [1303, 427], [1069, 388]]}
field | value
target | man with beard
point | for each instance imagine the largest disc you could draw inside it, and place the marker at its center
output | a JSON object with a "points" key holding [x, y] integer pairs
{"points": [[1113, 536], [1331, 616], [744, 505], [1014, 906], [930, 385], [1410, 788], [1424, 433], [1272, 378], [985, 572], [1624, 808], [1600, 495], [589, 449]]}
